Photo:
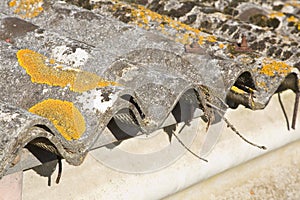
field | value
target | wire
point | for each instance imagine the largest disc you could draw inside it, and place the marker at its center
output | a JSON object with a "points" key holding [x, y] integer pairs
{"points": [[221, 113], [295, 109], [188, 148], [59, 169], [284, 112]]}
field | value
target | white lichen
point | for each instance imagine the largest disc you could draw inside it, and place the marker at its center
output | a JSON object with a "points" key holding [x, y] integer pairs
{"points": [[98, 100], [68, 56], [7, 117]]}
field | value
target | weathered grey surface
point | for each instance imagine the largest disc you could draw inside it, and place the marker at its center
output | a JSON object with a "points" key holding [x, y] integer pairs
{"points": [[152, 72]]}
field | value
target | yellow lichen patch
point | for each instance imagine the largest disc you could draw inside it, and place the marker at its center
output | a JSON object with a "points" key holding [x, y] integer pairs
{"points": [[184, 40], [143, 17], [200, 40], [27, 8], [272, 67], [292, 19], [12, 3], [66, 118], [263, 85], [221, 45], [51, 61], [293, 3], [276, 14], [41, 72], [211, 38], [237, 90]]}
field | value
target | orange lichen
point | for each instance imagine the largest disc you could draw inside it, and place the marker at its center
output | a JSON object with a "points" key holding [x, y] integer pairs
{"points": [[66, 118], [40, 71], [27, 8], [272, 67], [221, 45]]}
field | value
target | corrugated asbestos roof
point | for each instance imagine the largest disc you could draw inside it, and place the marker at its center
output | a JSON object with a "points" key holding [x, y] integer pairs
{"points": [[69, 74]]}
